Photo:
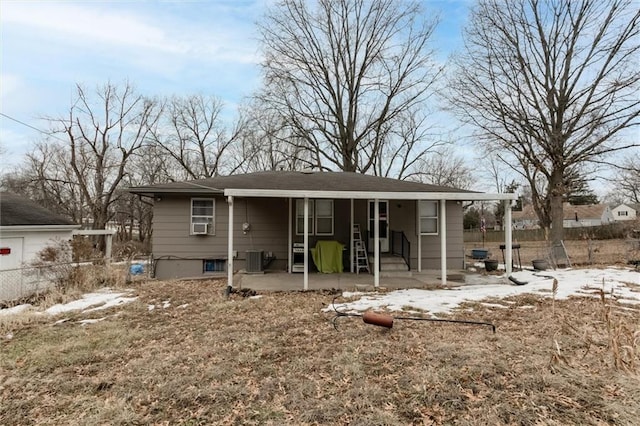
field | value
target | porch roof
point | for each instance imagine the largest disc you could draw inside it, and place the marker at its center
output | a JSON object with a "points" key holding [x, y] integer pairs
{"points": [[295, 184]]}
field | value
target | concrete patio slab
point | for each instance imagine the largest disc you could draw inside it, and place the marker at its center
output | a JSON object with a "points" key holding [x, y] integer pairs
{"points": [[283, 281]]}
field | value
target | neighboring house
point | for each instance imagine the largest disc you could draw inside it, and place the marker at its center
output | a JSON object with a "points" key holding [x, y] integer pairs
{"points": [[25, 229], [226, 223], [587, 215], [526, 218], [624, 212]]}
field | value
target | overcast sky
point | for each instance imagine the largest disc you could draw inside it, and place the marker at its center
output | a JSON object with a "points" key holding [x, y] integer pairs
{"points": [[163, 48]]}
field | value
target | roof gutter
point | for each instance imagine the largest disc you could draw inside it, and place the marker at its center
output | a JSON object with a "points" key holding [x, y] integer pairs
{"points": [[37, 228], [368, 195]]}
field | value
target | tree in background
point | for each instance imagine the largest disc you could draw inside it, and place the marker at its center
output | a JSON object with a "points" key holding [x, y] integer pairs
{"points": [[628, 179], [443, 167], [103, 131], [550, 85], [268, 143], [341, 74], [193, 134]]}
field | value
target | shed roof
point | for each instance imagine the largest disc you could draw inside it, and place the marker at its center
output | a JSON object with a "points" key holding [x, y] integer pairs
{"points": [[16, 210], [312, 184]]}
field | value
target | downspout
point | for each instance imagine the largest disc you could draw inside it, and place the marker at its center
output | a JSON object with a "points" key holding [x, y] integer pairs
{"points": [[230, 246], [443, 241]]}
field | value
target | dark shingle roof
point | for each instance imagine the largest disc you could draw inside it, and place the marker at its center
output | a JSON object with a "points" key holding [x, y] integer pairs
{"points": [[16, 210], [296, 181]]}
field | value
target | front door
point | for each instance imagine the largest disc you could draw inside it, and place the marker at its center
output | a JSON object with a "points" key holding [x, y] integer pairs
{"points": [[383, 212]]}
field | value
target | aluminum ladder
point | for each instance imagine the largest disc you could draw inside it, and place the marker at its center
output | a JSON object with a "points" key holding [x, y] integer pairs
{"points": [[361, 259]]}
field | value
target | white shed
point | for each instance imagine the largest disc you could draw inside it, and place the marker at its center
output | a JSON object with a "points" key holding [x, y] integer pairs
{"points": [[25, 229]]}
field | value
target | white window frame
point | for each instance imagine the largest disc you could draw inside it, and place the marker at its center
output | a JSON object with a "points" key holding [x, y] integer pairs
{"points": [[317, 216], [422, 216], [313, 217], [300, 215], [211, 218]]}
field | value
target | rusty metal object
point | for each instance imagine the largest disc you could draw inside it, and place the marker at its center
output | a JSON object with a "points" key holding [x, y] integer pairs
{"points": [[381, 320], [384, 320]]}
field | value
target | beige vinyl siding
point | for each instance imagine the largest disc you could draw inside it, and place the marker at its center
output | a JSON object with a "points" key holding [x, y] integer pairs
{"points": [[267, 217], [455, 247]]}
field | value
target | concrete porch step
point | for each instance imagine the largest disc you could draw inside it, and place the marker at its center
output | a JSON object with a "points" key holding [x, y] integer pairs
{"points": [[391, 264]]}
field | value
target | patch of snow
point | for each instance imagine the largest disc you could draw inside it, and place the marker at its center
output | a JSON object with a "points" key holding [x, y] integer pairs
{"points": [[8, 336], [113, 302], [91, 321], [185, 305], [14, 310], [151, 307], [101, 299], [166, 304], [258, 296], [60, 321], [494, 305], [571, 282]]}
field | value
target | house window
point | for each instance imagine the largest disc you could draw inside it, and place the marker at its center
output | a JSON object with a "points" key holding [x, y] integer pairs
{"points": [[202, 216], [324, 217], [320, 217], [428, 217], [623, 213], [213, 265], [300, 217]]}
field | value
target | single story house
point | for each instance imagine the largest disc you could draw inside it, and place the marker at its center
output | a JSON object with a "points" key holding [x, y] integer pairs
{"points": [[625, 212], [586, 215], [226, 223], [26, 228], [525, 218]]}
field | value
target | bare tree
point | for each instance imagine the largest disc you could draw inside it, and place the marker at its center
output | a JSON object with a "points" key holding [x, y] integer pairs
{"points": [[341, 72], [628, 179], [47, 177], [193, 134], [103, 130], [445, 168], [268, 143], [550, 85]]}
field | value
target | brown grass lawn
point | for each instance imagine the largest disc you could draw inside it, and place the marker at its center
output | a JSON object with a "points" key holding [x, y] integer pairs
{"points": [[580, 252], [278, 360]]}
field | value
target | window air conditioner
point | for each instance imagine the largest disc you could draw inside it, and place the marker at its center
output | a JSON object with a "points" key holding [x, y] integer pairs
{"points": [[199, 228]]}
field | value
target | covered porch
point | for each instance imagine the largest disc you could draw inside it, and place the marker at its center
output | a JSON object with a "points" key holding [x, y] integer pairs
{"points": [[303, 282]]}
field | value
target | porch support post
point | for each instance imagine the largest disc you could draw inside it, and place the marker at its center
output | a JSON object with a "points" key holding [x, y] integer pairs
{"points": [[107, 248], [290, 239], [443, 240], [230, 246], [508, 256], [351, 255], [306, 244], [418, 202], [376, 243]]}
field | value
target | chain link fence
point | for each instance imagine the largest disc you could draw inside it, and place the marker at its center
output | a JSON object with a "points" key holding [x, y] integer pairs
{"points": [[20, 283]]}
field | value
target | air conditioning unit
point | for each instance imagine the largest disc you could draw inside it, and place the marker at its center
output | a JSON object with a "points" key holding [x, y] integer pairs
{"points": [[254, 260], [199, 228]]}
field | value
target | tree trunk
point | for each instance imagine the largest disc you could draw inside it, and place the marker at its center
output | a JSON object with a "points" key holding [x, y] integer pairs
{"points": [[556, 193]]}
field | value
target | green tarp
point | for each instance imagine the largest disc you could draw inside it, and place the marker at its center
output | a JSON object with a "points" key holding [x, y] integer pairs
{"points": [[328, 256]]}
